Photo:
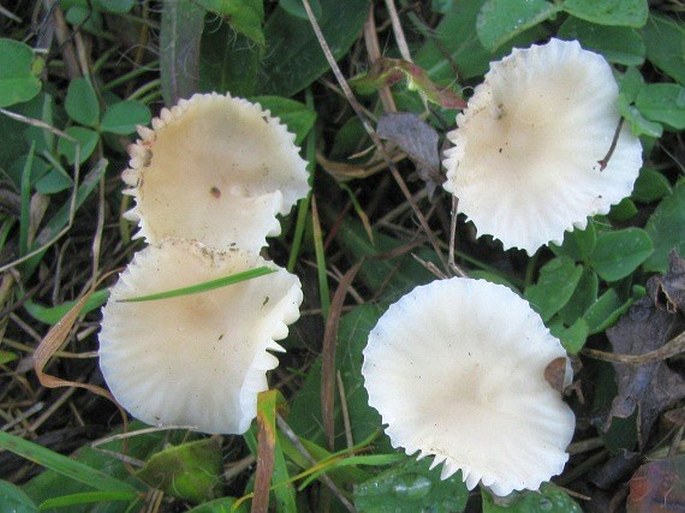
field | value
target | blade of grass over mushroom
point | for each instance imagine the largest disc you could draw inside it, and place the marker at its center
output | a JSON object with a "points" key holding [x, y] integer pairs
{"points": [[203, 287], [63, 465]]}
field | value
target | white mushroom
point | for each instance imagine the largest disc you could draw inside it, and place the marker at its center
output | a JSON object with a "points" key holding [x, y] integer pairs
{"points": [[217, 169], [525, 163], [201, 359], [456, 370]]}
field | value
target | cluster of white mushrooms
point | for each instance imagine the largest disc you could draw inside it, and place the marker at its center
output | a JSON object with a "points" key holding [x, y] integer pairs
{"points": [[456, 368], [208, 180]]}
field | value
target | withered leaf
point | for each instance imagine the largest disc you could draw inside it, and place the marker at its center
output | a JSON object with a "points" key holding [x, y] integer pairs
{"points": [[658, 487], [417, 139], [649, 324]]}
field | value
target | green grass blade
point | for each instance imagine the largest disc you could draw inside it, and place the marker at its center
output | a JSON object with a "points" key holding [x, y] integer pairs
{"points": [[303, 206], [25, 216], [51, 315], [62, 464], [85, 498], [205, 286]]}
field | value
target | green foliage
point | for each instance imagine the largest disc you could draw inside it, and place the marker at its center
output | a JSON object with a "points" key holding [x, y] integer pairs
{"points": [[629, 13], [62, 465], [189, 471], [665, 40], [18, 72], [664, 103], [554, 288], [268, 52], [244, 16], [550, 499], [500, 20], [294, 59], [13, 499], [620, 45], [666, 227], [618, 253], [409, 487]]}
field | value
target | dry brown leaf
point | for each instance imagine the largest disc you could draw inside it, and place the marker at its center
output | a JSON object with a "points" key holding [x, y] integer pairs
{"points": [[649, 324]]}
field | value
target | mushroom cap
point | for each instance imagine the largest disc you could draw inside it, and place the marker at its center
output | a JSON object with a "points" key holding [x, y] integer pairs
{"points": [[456, 370], [200, 359], [525, 162], [216, 169]]}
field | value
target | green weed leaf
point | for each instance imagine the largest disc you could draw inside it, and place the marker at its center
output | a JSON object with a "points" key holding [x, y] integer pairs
{"points": [[621, 45], [296, 116], [14, 500], [244, 16], [666, 227], [554, 288], [629, 13], [501, 20], [114, 6], [572, 338], [296, 8], [664, 103], [294, 58], [578, 244], [52, 315], [550, 499], [78, 499], [86, 140], [605, 311], [410, 487], [650, 186], [82, 103], [583, 297], [618, 253], [665, 41], [18, 80], [190, 471], [122, 118]]}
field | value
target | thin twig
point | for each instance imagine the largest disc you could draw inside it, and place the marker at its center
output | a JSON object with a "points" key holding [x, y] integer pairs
{"points": [[605, 161], [672, 348], [398, 31], [295, 440], [374, 51], [345, 413], [349, 95]]}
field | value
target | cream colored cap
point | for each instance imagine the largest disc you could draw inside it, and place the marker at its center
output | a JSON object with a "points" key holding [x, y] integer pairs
{"points": [[456, 370], [525, 159], [216, 169], [201, 359]]}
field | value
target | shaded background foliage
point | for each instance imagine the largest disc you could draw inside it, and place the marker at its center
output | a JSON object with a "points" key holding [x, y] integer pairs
{"points": [[77, 76]]}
